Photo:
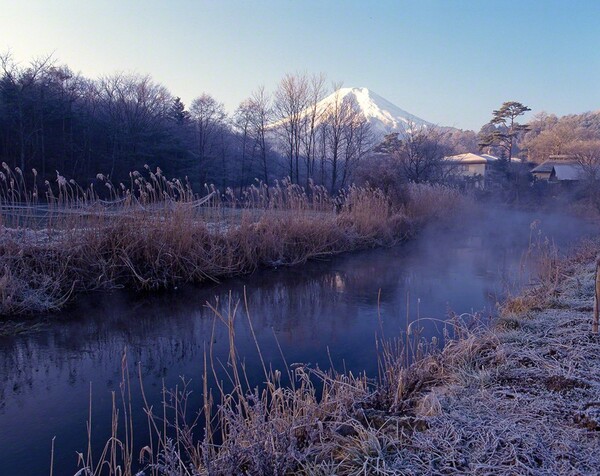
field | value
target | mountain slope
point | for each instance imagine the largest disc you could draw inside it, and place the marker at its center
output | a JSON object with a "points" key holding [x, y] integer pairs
{"points": [[383, 116]]}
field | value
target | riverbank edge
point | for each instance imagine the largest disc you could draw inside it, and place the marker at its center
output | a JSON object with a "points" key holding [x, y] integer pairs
{"points": [[38, 277], [521, 397]]}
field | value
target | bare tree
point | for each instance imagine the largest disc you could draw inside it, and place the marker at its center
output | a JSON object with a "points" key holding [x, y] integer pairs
{"points": [[587, 154], [419, 152], [64, 97], [134, 108], [459, 141], [333, 123], [209, 118], [260, 119], [17, 82], [346, 138], [312, 119], [52, 119], [292, 99], [358, 140], [242, 121], [549, 135]]}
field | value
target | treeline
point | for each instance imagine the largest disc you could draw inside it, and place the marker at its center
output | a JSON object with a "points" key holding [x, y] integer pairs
{"points": [[574, 136], [52, 119]]}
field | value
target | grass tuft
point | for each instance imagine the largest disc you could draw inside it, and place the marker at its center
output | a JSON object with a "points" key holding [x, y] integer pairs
{"points": [[509, 399], [155, 233]]}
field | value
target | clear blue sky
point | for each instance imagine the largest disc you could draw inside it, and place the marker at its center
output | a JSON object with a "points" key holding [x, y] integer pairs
{"points": [[450, 62]]}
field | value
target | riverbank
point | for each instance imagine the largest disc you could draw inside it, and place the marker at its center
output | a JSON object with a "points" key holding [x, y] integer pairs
{"points": [[519, 398], [82, 244], [524, 397]]}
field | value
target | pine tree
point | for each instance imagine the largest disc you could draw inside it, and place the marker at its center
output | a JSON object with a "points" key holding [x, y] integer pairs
{"points": [[504, 130], [178, 113]]}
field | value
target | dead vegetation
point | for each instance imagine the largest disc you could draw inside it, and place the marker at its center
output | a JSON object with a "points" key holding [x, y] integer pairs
{"points": [[553, 273], [156, 233], [520, 398]]}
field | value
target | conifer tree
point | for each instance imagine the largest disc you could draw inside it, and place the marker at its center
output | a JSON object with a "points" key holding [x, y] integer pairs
{"points": [[505, 130]]}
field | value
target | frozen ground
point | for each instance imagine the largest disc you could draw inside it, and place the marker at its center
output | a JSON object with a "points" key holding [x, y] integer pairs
{"points": [[526, 402]]}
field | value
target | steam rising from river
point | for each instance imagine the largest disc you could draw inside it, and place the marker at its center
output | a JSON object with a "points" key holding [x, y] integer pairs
{"points": [[465, 266]]}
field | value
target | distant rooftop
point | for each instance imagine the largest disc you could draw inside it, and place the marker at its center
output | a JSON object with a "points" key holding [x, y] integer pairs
{"points": [[561, 170], [548, 165], [471, 158], [568, 172]]}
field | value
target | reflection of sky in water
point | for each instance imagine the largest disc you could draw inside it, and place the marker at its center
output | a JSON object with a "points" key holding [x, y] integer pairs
{"points": [[325, 305]]}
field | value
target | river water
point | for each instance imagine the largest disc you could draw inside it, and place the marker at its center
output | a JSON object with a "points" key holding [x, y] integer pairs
{"points": [[329, 309]]}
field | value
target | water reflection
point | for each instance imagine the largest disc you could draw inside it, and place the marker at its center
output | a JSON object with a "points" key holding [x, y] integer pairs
{"points": [[335, 304]]}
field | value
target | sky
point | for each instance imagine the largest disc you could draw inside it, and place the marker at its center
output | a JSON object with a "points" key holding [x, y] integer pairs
{"points": [[449, 62]]}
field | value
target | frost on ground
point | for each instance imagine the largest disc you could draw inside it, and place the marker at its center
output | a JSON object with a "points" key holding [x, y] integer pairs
{"points": [[535, 409], [520, 399]]}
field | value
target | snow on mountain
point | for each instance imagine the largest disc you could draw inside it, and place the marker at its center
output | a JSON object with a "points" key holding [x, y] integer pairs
{"points": [[383, 116]]}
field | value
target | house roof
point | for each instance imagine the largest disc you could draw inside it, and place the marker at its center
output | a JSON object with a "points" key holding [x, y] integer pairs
{"points": [[561, 170], [569, 172], [471, 158], [548, 166], [544, 167]]}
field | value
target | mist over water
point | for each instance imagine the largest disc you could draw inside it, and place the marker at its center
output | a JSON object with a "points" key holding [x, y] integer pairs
{"points": [[326, 309]]}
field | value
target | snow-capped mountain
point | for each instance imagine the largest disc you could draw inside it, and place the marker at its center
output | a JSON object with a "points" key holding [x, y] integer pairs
{"points": [[383, 116]]}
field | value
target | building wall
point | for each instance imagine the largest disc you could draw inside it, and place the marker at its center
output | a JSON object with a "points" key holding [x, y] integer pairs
{"points": [[477, 169], [469, 170], [542, 175]]}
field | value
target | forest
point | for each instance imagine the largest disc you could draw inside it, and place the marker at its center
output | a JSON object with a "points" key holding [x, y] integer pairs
{"points": [[56, 121], [52, 119]]}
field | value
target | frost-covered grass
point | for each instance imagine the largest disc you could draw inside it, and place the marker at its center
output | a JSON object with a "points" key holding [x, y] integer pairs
{"points": [[522, 397], [156, 233]]}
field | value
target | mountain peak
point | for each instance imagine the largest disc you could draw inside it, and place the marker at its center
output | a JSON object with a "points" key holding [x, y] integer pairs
{"points": [[384, 117]]}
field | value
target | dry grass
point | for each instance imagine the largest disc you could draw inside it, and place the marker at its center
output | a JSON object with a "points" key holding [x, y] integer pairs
{"points": [[431, 201], [156, 233], [551, 272], [531, 409], [323, 421], [519, 398]]}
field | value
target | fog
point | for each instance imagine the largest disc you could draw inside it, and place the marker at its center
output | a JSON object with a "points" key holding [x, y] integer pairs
{"points": [[331, 308]]}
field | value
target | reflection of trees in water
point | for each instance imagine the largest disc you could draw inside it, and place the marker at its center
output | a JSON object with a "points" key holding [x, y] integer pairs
{"points": [[309, 308], [169, 331], [317, 303]]}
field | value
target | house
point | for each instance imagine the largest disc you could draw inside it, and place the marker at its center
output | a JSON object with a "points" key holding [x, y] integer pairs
{"points": [[567, 173], [477, 167], [559, 171], [544, 170]]}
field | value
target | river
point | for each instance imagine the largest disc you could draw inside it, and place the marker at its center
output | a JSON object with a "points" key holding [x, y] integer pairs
{"points": [[324, 309]]}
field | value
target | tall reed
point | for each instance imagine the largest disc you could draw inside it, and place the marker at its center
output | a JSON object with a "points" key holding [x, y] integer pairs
{"points": [[154, 232], [306, 421]]}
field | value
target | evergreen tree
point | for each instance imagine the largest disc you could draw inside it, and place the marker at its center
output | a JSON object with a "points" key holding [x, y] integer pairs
{"points": [[390, 144], [505, 131], [177, 112]]}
